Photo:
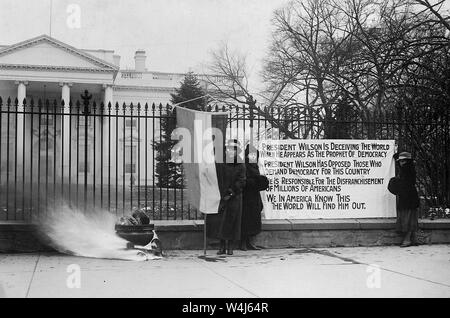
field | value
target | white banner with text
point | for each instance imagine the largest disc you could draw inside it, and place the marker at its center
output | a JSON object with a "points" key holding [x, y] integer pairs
{"points": [[315, 179]]}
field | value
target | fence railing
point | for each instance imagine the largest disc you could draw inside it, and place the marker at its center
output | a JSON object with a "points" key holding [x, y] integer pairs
{"points": [[116, 157]]}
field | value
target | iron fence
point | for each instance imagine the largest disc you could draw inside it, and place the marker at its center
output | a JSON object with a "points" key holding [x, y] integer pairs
{"points": [[95, 156]]}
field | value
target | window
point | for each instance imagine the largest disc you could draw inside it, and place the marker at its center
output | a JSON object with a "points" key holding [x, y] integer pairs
{"points": [[12, 127], [83, 166], [130, 159], [46, 146], [82, 121], [47, 120], [10, 160], [46, 166], [131, 75], [131, 123]]}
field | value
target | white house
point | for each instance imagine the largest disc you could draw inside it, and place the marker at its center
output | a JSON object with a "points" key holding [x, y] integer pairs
{"points": [[45, 68]]}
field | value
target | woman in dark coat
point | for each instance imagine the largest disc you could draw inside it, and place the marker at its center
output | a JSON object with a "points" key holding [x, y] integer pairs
{"points": [[226, 225], [252, 204], [408, 199]]}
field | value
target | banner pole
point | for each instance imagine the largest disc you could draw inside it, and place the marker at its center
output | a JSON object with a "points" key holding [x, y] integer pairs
{"points": [[204, 235]]}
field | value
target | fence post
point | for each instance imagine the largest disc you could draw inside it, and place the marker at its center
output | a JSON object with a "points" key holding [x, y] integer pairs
{"points": [[251, 103], [86, 98], [447, 154], [65, 129], [399, 128], [19, 136], [1, 140]]}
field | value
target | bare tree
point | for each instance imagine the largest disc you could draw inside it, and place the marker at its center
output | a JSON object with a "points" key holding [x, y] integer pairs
{"points": [[435, 10], [232, 88], [330, 57], [330, 60], [357, 49]]}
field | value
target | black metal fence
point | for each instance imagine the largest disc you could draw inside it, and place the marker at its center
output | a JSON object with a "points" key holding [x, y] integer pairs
{"points": [[95, 156]]}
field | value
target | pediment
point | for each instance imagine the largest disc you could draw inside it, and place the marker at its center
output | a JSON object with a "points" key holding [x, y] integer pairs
{"points": [[46, 52]]}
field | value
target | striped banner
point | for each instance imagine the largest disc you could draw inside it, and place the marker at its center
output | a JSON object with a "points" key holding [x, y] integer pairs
{"points": [[203, 188]]}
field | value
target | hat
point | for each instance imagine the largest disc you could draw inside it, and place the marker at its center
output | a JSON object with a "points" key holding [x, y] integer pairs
{"points": [[233, 143], [404, 156], [251, 149]]}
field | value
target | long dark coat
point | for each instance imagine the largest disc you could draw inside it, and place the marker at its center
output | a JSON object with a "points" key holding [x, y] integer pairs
{"points": [[404, 187], [252, 204], [226, 225], [408, 201]]}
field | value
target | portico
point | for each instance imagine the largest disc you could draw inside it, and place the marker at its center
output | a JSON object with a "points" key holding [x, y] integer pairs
{"points": [[51, 69], [43, 69]]}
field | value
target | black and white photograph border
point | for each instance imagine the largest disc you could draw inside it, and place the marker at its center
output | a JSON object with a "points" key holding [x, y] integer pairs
{"points": [[237, 150]]}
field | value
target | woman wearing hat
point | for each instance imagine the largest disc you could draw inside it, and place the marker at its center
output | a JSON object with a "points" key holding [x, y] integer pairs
{"points": [[408, 200], [252, 203], [226, 225]]}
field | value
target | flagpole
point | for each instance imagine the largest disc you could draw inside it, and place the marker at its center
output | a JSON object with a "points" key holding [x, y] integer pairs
{"points": [[51, 16], [204, 235]]}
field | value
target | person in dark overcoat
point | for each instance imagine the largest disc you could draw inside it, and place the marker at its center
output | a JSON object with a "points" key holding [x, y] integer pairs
{"points": [[226, 225], [403, 186], [252, 204]]}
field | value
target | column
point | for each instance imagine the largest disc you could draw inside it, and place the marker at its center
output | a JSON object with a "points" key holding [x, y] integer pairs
{"points": [[21, 95], [65, 94], [108, 160], [65, 129], [107, 95], [21, 91]]}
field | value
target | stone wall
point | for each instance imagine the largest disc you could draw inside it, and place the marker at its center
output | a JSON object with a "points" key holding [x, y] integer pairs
{"points": [[23, 237]]}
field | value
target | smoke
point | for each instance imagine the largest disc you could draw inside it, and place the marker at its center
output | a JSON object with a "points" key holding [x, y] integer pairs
{"points": [[89, 234]]}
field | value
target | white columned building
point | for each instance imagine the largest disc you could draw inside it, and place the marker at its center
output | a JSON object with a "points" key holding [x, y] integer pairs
{"points": [[44, 68]]}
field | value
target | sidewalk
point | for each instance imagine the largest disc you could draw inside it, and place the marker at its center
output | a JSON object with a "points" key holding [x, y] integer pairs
{"points": [[422, 271]]}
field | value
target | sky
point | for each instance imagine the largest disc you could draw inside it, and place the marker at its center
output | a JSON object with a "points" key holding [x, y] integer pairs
{"points": [[177, 35]]}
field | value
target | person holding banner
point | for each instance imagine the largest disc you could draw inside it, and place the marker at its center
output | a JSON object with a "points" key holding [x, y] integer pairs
{"points": [[252, 204], [226, 225], [403, 186]]}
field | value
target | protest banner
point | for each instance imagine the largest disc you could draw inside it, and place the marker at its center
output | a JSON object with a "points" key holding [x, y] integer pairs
{"points": [[314, 179]]}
